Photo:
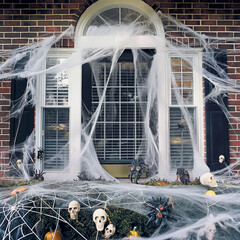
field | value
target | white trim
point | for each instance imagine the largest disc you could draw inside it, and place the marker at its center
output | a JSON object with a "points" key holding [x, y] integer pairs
{"points": [[103, 5], [198, 102]]}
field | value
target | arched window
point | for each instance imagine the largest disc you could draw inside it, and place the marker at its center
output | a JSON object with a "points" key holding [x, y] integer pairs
{"points": [[120, 130]]}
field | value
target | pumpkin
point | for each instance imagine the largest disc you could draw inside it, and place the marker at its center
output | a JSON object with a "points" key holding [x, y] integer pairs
{"points": [[133, 233], [56, 235], [18, 190]]}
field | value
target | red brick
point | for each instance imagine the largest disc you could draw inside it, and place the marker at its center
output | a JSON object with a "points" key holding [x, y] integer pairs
{"points": [[53, 29], [4, 90], [12, 23]]}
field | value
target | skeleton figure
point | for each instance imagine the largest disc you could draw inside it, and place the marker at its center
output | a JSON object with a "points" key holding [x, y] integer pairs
{"points": [[19, 163], [99, 218], [109, 231], [73, 209], [210, 232], [137, 169], [183, 175], [208, 179]]}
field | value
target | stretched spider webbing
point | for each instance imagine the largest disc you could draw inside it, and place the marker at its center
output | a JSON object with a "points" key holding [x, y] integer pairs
{"points": [[195, 215], [186, 215]]}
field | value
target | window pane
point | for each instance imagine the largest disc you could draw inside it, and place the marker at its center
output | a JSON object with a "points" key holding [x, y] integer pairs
{"points": [[119, 131], [55, 139], [56, 85], [181, 149], [182, 82]]}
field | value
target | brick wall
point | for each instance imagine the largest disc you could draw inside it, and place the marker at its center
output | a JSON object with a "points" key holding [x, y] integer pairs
{"points": [[23, 22]]}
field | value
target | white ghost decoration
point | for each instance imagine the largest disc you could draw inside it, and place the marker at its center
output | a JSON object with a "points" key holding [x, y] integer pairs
{"points": [[73, 209], [208, 179], [19, 163], [109, 231], [210, 232], [100, 217], [221, 158]]}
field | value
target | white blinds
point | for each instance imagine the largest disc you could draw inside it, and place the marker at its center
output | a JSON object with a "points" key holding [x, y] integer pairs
{"points": [[181, 150], [56, 119], [119, 131], [56, 85]]}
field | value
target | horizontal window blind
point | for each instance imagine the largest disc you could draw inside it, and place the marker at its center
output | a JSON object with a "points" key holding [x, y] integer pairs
{"points": [[56, 85], [56, 136], [181, 149], [120, 130], [56, 118]]}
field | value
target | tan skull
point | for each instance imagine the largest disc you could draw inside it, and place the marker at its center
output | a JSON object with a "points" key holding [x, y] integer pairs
{"points": [[109, 231], [73, 209], [19, 163], [100, 217], [208, 179], [221, 158], [210, 232]]}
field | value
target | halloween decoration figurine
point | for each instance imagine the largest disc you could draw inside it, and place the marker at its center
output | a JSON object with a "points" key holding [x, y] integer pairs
{"points": [[73, 209], [160, 211], [38, 175], [133, 233], [183, 175], [53, 235], [210, 192], [137, 168], [18, 191], [208, 179], [19, 163], [210, 232], [109, 231], [40, 153], [99, 218]]}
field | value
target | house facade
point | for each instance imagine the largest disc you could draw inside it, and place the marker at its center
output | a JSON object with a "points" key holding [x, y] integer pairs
{"points": [[127, 80]]}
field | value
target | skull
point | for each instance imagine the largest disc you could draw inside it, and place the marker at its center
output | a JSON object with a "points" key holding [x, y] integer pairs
{"points": [[221, 158], [19, 163], [208, 179], [109, 231], [100, 217], [73, 209], [211, 230]]}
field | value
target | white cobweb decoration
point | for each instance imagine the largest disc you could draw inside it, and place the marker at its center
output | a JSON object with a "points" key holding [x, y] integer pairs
{"points": [[25, 215], [32, 213]]}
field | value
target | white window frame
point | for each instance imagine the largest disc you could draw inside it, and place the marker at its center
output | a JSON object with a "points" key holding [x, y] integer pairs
{"points": [[198, 101], [75, 83]]}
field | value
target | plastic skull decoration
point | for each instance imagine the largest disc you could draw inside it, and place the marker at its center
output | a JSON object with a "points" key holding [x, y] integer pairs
{"points": [[19, 163], [109, 231], [210, 232], [100, 217], [208, 179], [221, 158], [73, 209]]}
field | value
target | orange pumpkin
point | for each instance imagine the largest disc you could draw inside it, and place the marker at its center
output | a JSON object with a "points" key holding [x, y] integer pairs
{"points": [[56, 235], [18, 190], [133, 233]]}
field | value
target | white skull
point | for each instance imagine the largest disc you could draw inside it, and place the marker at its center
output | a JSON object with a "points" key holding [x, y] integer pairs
{"points": [[73, 209], [109, 231], [208, 179], [19, 163], [100, 217], [211, 230], [221, 158]]}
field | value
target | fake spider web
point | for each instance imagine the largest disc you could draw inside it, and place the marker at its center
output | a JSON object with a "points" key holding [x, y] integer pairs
{"points": [[30, 215]]}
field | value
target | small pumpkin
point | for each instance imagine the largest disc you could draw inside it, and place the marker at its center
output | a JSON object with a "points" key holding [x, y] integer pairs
{"points": [[17, 191], [53, 235], [133, 233]]}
